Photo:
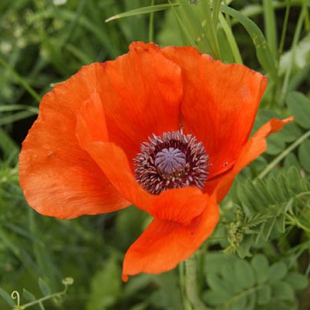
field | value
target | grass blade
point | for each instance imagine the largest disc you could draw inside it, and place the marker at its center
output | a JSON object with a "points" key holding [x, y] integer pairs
{"points": [[270, 26], [144, 10], [231, 39], [263, 52]]}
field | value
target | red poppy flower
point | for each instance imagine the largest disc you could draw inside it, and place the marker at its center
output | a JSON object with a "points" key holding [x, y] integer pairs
{"points": [[164, 129]]}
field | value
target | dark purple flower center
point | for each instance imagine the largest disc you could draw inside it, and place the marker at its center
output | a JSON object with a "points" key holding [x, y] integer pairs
{"points": [[170, 160], [173, 160]]}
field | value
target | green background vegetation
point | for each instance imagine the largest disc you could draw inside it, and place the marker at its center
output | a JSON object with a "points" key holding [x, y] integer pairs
{"points": [[258, 257]]}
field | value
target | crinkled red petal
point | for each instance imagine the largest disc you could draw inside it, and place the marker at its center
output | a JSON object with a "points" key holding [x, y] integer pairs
{"points": [[164, 244], [253, 148], [219, 105], [57, 176]]}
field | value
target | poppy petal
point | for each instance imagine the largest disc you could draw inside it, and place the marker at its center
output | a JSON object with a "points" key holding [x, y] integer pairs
{"points": [[175, 204], [58, 177], [90, 121], [180, 205], [114, 163], [112, 160], [142, 95], [253, 148], [219, 105], [164, 244]]}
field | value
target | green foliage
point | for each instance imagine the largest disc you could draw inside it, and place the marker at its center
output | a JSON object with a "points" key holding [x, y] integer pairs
{"points": [[299, 105], [265, 217], [33, 301], [144, 10], [147, 291], [105, 287], [239, 284], [267, 209], [264, 55]]}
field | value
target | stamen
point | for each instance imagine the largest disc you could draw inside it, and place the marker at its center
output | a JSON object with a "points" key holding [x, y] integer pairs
{"points": [[173, 160]]}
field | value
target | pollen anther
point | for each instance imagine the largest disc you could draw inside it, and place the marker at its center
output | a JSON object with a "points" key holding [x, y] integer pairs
{"points": [[173, 160]]}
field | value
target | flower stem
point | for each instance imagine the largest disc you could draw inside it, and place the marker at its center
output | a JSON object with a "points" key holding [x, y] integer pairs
{"points": [[191, 285], [182, 277]]}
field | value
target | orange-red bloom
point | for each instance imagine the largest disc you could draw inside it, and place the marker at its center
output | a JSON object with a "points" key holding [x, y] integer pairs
{"points": [[191, 114]]}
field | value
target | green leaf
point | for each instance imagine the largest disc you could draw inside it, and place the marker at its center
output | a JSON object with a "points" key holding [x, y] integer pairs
{"points": [[291, 161], [276, 190], [128, 226], [297, 281], [299, 105], [251, 301], [230, 39], [279, 225], [282, 291], [141, 306], [7, 297], [296, 59], [252, 196], [196, 28], [264, 295], [215, 261], [105, 286], [8, 119], [20, 79], [303, 154], [244, 275], [275, 145], [283, 183], [264, 204], [238, 302], [297, 184], [228, 274], [240, 285], [281, 305], [218, 285], [8, 145], [168, 294], [243, 195], [28, 296], [15, 107], [264, 55], [260, 266], [143, 10], [270, 25], [290, 132], [277, 271], [137, 283], [264, 193], [170, 31], [243, 249], [214, 298], [267, 228], [45, 289]]}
